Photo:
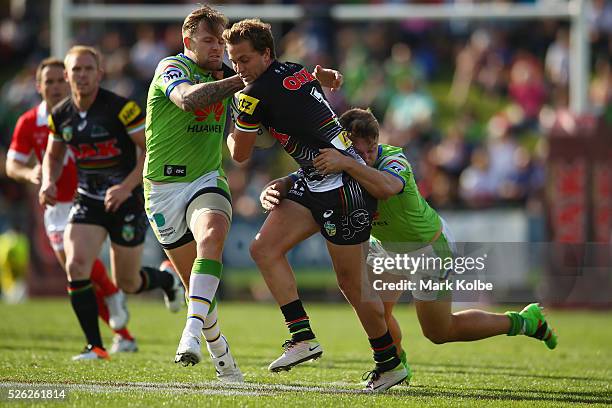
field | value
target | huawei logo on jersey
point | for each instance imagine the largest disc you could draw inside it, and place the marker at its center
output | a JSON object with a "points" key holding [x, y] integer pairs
{"points": [[295, 81], [202, 114]]}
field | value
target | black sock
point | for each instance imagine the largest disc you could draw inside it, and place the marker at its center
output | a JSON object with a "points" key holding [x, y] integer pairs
{"points": [[153, 278], [85, 307], [385, 353], [297, 321]]}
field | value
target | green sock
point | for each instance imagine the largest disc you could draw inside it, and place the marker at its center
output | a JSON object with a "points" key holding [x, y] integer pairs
{"points": [[403, 357], [516, 323]]}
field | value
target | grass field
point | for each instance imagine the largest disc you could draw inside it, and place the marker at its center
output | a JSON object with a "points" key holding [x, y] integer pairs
{"points": [[38, 338]]}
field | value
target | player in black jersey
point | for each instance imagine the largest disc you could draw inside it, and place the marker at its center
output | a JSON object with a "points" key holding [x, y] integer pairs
{"points": [[103, 131], [287, 100]]}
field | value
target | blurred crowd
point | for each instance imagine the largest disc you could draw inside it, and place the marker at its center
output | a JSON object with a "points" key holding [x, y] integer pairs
{"points": [[469, 102]]}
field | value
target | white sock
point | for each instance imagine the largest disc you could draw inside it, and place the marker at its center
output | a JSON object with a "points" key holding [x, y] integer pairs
{"points": [[202, 289], [215, 342]]}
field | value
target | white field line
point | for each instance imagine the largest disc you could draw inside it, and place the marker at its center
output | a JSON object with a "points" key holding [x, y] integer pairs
{"points": [[207, 388]]}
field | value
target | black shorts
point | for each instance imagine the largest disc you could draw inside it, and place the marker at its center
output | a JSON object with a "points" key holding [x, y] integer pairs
{"points": [[127, 226], [344, 214]]}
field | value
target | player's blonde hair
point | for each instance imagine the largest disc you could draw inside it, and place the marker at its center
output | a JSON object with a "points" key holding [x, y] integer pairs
{"points": [[253, 30], [84, 49], [211, 17]]}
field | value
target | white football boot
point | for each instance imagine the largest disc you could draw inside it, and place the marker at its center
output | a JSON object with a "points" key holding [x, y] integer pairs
{"points": [[378, 381], [91, 353], [122, 345], [118, 314], [177, 299], [189, 350], [296, 353], [225, 365]]}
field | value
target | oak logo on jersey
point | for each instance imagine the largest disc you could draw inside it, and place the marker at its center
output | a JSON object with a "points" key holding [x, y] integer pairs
{"points": [[100, 150], [202, 114], [295, 81], [130, 111], [247, 103], [171, 73]]}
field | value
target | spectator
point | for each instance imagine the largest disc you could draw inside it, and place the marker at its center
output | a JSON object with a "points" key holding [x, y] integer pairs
{"points": [[476, 185], [557, 59], [527, 88], [410, 112], [146, 53]]}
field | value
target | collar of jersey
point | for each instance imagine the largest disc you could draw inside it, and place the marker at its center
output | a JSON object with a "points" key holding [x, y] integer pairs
{"points": [[41, 114], [378, 156], [194, 63]]}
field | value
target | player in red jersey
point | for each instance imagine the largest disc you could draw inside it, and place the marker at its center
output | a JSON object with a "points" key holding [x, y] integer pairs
{"points": [[30, 137]]}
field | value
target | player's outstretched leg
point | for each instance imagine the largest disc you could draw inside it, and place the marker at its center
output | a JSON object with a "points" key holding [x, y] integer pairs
{"points": [[531, 322], [219, 350], [303, 346]]}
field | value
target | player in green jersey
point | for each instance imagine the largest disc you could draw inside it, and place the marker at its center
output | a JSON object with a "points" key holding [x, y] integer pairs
{"points": [[187, 198], [407, 224]]}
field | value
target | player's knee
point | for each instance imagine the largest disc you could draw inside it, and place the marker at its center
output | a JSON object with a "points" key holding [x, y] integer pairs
{"points": [[77, 268], [128, 284], [349, 286], [212, 238], [436, 335], [261, 252], [388, 310]]}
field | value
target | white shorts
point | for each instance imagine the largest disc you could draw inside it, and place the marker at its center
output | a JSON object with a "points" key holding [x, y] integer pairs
{"points": [[56, 219], [430, 267], [166, 206]]}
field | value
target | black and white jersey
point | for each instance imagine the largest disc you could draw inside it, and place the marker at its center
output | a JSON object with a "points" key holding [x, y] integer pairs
{"points": [[99, 139], [289, 101]]}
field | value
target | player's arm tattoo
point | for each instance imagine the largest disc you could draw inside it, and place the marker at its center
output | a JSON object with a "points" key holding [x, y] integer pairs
{"points": [[200, 95]]}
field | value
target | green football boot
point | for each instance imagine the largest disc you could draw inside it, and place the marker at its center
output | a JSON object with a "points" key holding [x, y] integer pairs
{"points": [[404, 361], [536, 325]]}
